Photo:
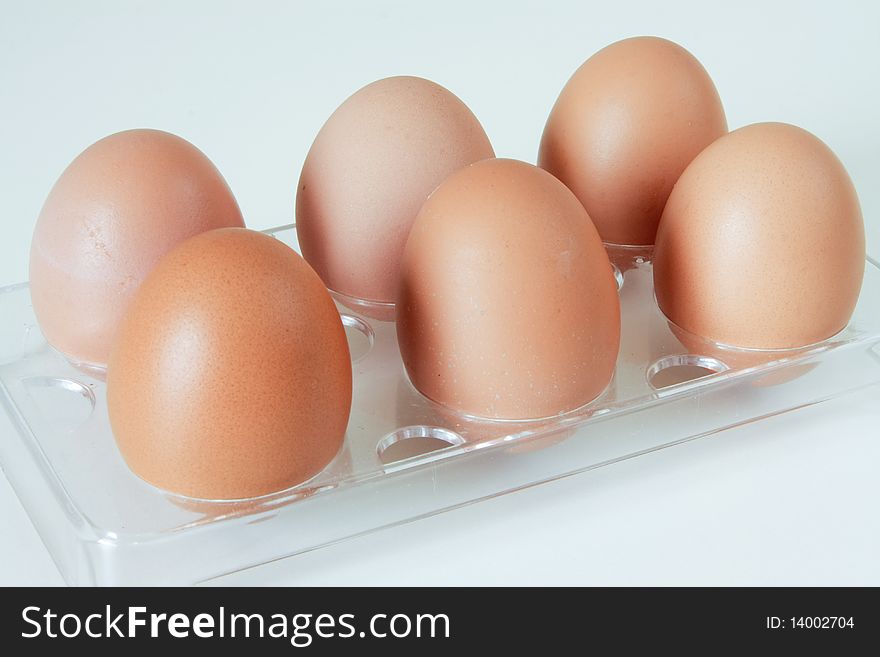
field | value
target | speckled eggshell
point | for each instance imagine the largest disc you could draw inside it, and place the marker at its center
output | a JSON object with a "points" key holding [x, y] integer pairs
{"points": [[625, 126], [367, 174], [231, 377], [118, 207], [508, 306], [762, 243]]}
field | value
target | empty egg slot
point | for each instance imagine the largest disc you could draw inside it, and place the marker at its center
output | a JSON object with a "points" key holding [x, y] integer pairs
{"points": [[683, 368]]}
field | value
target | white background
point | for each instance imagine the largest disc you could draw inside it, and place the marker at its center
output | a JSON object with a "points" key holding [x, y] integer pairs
{"points": [[789, 500]]}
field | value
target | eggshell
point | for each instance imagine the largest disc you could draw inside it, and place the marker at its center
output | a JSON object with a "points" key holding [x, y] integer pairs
{"points": [[367, 174], [762, 243], [508, 306], [120, 206], [625, 126], [231, 377]]}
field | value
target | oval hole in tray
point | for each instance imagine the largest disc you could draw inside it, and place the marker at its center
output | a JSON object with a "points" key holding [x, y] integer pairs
{"points": [[683, 368], [415, 441]]}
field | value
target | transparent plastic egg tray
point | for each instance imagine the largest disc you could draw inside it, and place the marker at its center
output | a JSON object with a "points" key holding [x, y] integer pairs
{"points": [[404, 458]]}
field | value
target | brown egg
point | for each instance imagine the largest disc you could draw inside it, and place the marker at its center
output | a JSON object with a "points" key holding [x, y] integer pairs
{"points": [[762, 243], [508, 306], [120, 206], [625, 126], [231, 376], [367, 174]]}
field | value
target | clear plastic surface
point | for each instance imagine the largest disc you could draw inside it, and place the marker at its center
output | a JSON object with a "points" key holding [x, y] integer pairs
{"points": [[404, 457]]}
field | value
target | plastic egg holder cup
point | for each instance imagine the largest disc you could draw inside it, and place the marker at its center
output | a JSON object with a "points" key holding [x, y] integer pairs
{"points": [[456, 415], [709, 357], [381, 310], [404, 454], [626, 256], [94, 370]]}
